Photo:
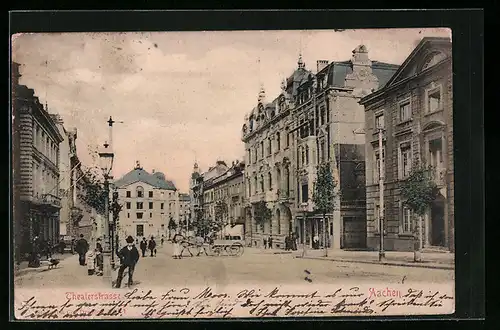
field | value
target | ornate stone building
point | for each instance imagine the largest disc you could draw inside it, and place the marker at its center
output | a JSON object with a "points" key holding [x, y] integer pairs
{"points": [[416, 110], [36, 140], [149, 202], [316, 118]]}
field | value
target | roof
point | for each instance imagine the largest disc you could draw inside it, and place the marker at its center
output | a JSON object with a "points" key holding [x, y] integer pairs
{"points": [[156, 180]]}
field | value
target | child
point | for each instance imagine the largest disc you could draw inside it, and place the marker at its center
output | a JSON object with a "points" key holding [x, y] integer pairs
{"points": [[99, 260], [90, 258], [177, 246]]}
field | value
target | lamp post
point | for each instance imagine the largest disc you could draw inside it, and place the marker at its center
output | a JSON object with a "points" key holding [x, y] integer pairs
{"points": [[381, 252], [106, 157]]}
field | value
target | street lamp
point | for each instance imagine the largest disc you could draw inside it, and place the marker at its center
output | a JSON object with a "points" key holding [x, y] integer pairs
{"points": [[304, 210], [106, 157]]}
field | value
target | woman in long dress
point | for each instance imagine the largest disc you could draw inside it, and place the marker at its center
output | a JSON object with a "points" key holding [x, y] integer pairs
{"points": [[177, 246]]}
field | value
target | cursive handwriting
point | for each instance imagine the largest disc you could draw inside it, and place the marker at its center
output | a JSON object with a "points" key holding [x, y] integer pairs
{"points": [[253, 302]]}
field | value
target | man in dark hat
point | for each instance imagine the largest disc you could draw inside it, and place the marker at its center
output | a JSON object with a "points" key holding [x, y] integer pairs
{"points": [[82, 246], [144, 246], [152, 246], [129, 255]]}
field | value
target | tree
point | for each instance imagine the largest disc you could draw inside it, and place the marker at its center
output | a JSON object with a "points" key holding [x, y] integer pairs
{"points": [[324, 195], [221, 211], [172, 225], [94, 195], [262, 213], [419, 191]]}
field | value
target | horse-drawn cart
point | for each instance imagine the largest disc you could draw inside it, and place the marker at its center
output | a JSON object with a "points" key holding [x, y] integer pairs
{"points": [[227, 247], [211, 247]]}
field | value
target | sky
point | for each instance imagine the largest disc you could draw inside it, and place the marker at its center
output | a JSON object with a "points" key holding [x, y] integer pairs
{"points": [[179, 97]]}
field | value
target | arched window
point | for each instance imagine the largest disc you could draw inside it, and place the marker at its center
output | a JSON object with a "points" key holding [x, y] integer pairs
{"points": [[139, 191], [270, 180], [262, 183], [278, 141], [278, 221]]}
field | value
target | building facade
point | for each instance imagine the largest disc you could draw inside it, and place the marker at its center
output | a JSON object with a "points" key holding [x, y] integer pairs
{"points": [[149, 202], [36, 140], [415, 109], [315, 119]]}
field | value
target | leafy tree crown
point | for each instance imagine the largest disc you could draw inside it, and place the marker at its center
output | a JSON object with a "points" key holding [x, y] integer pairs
{"points": [[262, 213], [324, 192], [419, 190]]}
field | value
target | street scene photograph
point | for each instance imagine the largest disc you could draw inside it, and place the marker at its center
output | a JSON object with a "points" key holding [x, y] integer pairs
{"points": [[221, 159]]}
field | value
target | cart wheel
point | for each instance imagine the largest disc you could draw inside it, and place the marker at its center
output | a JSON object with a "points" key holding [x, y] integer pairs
{"points": [[236, 249]]}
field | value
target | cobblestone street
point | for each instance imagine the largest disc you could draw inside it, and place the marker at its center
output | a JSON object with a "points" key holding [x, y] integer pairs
{"points": [[255, 266]]}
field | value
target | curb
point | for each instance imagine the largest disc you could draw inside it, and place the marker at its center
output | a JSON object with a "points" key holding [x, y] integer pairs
{"points": [[397, 264]]}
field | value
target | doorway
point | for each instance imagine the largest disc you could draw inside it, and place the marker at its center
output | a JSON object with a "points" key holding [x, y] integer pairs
{"points": [[438, 237]]}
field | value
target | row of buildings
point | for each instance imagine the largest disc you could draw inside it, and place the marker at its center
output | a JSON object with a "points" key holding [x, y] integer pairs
{"points": [[49, 179], [333, 116], [50, 184]]}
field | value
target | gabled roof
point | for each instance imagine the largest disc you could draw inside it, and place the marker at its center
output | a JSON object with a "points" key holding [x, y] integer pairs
{"points": [[156, 180], [422, 45]]}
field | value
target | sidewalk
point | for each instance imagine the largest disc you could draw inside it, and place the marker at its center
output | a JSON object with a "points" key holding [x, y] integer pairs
{"points": [[23, 268], [392, 258]]}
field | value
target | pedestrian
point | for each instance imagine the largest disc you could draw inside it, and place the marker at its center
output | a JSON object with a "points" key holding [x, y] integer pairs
{"points": [[144, 246], [128, 259], [62, 246], [152, 246], [265, 242], [294, 241], [315, 242], [82, 246], [270, 240], [200, 245], [34, 257], [177, 246], [287, 243], [162, 239], [137, 241]]}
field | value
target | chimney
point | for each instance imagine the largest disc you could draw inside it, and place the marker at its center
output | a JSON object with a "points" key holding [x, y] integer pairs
{"points": [[321, 64]]}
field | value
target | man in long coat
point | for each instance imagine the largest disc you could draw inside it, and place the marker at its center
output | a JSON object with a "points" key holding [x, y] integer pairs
{"points": [[82, 246], [129, 255]]}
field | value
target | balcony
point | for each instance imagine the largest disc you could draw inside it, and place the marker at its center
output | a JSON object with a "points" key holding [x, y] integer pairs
{"points": [[51, 200]]}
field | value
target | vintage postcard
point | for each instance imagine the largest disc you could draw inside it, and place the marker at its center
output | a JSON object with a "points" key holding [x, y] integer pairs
{"points": [[236, 174]]}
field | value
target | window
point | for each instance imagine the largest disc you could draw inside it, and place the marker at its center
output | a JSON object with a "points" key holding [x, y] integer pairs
{"points": [[287, 137], [256, 184], [376, 174], [139, 215], [270, 179], [404, 160], [262, 149], [249, 155], [139, 230], [323, 115], [262, 183], [305, 193], [150, 194], [307, 154], [434, 100], [376, 216], [162, 205], [150, 205], [406, 220], [404, 111], [379, 121], [139, 205], [140, 192], [150, 214], [278, 141], [129, 205], [128, 194], [269, 146], [128, 215]]}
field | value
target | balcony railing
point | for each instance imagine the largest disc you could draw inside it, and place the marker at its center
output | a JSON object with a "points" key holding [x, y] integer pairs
{"points": [[51, 200]]}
